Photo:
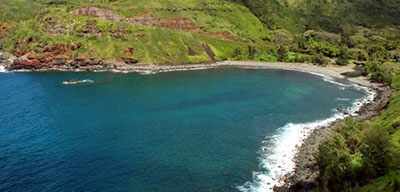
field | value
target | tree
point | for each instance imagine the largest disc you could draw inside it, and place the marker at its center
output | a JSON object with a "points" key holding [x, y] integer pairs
{"points": [[333, 160], [252, 51], [319, 59], [377, 72], [343, 58], [282, 53], [376, 152]]}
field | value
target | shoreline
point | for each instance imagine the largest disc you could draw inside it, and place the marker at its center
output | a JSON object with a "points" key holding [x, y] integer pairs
{"points": [[100, 66], [305, 171], [304, 177]]}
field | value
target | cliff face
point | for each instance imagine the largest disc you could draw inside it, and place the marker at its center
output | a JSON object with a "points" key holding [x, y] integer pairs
{"points": [[101, 13], [176, 23]]}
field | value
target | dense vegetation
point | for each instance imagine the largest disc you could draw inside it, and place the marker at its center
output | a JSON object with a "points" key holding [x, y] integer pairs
{"points": [[363, 156], [359, 156]]}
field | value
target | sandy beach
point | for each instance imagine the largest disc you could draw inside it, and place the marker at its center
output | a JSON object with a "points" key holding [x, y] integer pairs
{"points": [[332, 71]]}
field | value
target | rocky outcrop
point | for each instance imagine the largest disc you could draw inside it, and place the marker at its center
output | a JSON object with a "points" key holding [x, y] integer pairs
{"points": [[224, 35], [78, 64], [54, 26], [177, 23], [119, 32], [4, 30], [130, 60], [373, 108], [57, 57], [60, 57], [4, 60], [5, 26], [101, 13], [91, 29], [25, 64], [206, 8]]}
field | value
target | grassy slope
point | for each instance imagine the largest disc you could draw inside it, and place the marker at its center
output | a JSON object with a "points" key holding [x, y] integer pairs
{"points": [[328, 15], [389, 120], [159, 45]]}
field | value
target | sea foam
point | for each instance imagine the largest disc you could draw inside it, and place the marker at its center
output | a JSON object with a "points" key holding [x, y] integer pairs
{"points": [[2, 69], [277, 160]]}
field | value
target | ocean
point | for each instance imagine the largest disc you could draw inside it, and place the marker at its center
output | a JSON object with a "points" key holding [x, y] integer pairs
{"points": [[221, 129]]}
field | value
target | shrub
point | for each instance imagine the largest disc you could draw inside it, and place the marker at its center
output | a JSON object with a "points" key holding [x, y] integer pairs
{"points": [[282, 53], [319, 59], [282, 36], [357, 54], [333, 161], [343, 57], [342, 61], [291, 57], [357, 41], [263, 56], [396, 123], [302, 58], [377, 72], [330, 37], [376, 152]]}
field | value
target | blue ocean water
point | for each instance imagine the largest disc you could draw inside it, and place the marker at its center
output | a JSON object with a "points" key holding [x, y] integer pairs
{"points": [[177, 131]]}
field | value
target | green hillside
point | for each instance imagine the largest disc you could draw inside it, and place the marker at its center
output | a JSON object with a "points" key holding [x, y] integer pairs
{"points": [[328, 15], [170, 31]]}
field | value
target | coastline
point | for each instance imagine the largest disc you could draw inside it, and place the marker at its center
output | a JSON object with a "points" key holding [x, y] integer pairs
{"points": [[304, 177], [8, 63], [305, 172]]}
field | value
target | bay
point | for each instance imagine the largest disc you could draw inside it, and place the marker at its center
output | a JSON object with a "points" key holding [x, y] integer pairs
{"points": [[177, 131]]}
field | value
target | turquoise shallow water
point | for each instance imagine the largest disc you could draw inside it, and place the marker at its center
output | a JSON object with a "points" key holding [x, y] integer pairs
{"points": [[177, 131]]}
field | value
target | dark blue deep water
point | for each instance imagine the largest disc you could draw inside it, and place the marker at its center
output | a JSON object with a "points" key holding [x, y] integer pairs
{"points": [[177, 131]]}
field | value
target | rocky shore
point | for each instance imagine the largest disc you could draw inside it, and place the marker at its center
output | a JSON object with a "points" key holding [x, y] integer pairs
{"points": [[304, 178]]}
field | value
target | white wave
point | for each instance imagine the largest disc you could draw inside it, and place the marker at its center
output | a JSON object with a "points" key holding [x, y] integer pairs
{"points": [[333, 81], [278, 159], [360, 102], [77, 81], [342, 99], [329, 79], [148, 72], [2, 69]]}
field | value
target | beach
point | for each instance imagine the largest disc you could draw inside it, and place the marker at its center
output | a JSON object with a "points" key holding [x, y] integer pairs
{"points": [[332, 71]]}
